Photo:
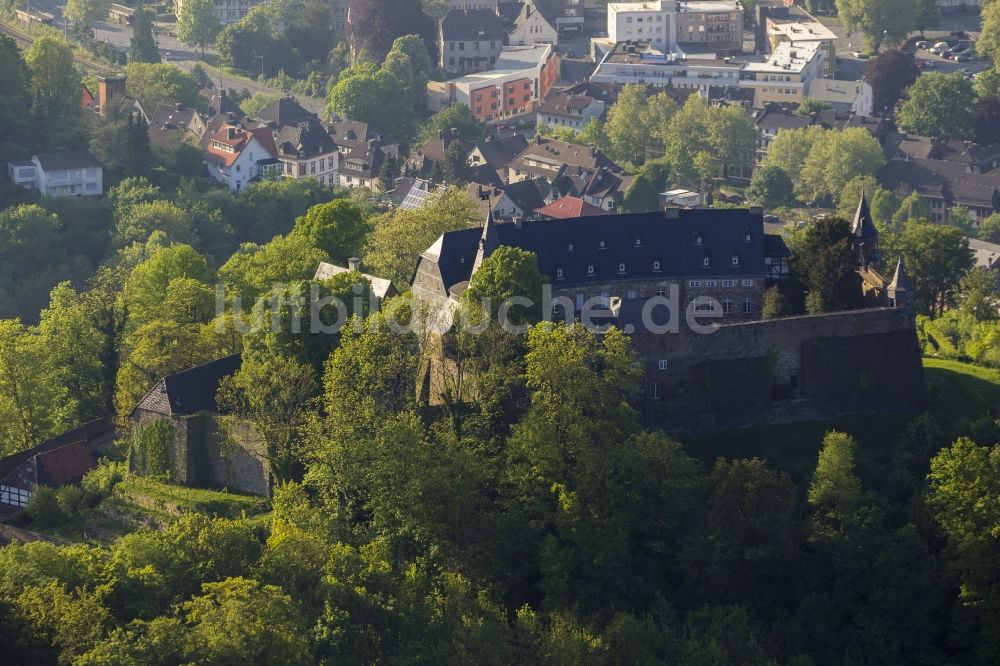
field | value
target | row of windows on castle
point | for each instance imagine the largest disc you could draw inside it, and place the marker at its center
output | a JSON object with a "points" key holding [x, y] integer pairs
{"points": [[706, 262], [702, 304]]}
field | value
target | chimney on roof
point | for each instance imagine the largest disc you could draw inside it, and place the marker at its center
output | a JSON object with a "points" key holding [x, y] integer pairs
{"points": [[178, 106], [593, 150], [231, 132], [454, 132], [441, 134], [354, 264], [673, 212], [518, 222]]}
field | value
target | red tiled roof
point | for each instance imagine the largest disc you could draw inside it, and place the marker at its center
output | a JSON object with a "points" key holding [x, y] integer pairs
{"points": [[569, 207], [66, 464], [239, 140]]}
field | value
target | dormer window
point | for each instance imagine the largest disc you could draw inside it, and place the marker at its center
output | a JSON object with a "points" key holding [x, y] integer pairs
{"points": [[590, 269], [621, 267], [570, 247], [706, 261], [638, 242], [461, 260], [656, 266], [748, 236], [736, 260], [602, 245], [559, 274], [698, 239]]}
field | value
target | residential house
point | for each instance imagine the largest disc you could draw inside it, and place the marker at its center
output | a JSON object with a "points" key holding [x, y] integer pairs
{"points": [[350, 134], [774, 118], [71, 173], [283, 112], [568, 207], [568, 110], [236, 155], [520, 78], [976, 157], [943, 185], [55, 462], [545, 158], [845, 96], [413, 193], [428, 161], [305, 150], [508, 202], [496, 153], [985, 255], [532, 26], [362, 167], [219, 102], [381, 288], [470, 40], [173, 125]]}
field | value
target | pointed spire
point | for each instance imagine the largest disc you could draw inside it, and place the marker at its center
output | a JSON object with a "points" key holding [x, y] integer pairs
{"points": [[900, 280], [863, 225]]}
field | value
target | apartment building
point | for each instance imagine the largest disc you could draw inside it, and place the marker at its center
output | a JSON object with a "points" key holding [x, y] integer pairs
{"points": [[228, 11], [787, 75], [717, 24], [71, 173]]}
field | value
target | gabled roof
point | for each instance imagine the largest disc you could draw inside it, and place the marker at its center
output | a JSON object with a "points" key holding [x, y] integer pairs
{"points": [[650, 245], [285, 111], [962, 152], [566, 104], [66, 464], [304, 140], [985, 254], [68, 159], [524, 194], [498, 153], [364, 161], [170, 124], [238, 138], [568, 207], [529, 9], [190, 391], [101, 430], [380, 286], [472, 25], [556, 153], [221, 103]]}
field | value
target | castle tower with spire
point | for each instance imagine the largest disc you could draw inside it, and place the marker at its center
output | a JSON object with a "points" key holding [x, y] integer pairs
{"points": [[900, 291], [864, 235]]}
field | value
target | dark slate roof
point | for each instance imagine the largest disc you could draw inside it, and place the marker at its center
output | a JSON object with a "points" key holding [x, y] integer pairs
{"points": [[863, 226], [499, 153], [904, 176], [285, 111], [69, 159], [943, 180], [573, 244], [190, 391], [553, 151], [304, 140], [472, 25], [364, 161], [900, 280], [963, 152], [774, 246], [776, 117], [525, 194], [562, 103]]}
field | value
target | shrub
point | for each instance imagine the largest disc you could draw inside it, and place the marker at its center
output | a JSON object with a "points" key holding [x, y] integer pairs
{"points": [[44, 508], [70, 500], [99, 482]]}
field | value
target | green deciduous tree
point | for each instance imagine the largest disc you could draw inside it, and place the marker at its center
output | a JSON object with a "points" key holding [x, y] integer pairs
{"points": [[939, 105], [148, 284], [275, 395], [338, 228], [84, 12], [139, 221], [376, 24], [161, 83], [198, 24], [456, 116], [642, 196], [55, 87], [835, 493], [882, 203], [372, 94], [936, 258], [988, 44], [256, 269], [508, 273], [979, 295], [879, 21], [770, 186], [635, 124], [835, 160]]}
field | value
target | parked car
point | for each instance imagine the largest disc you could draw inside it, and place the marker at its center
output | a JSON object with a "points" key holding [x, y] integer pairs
{"points": [[929, 64], [962, 57], [922, 44], [860, 56]]}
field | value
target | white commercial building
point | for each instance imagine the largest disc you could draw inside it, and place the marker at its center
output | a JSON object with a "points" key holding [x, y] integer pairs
{"points": [[73, 173], [666, 23], [787, 74], [228, 11]]}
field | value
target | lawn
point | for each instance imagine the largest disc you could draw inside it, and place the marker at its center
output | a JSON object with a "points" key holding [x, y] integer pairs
{"points": [[163, 502], [958, 391]]}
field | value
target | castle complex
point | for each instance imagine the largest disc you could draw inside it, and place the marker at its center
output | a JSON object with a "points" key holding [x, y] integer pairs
{"points": [[716, 265]]}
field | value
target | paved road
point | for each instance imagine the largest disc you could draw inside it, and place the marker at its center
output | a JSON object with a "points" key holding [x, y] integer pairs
{"points": [[172, 51]]}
